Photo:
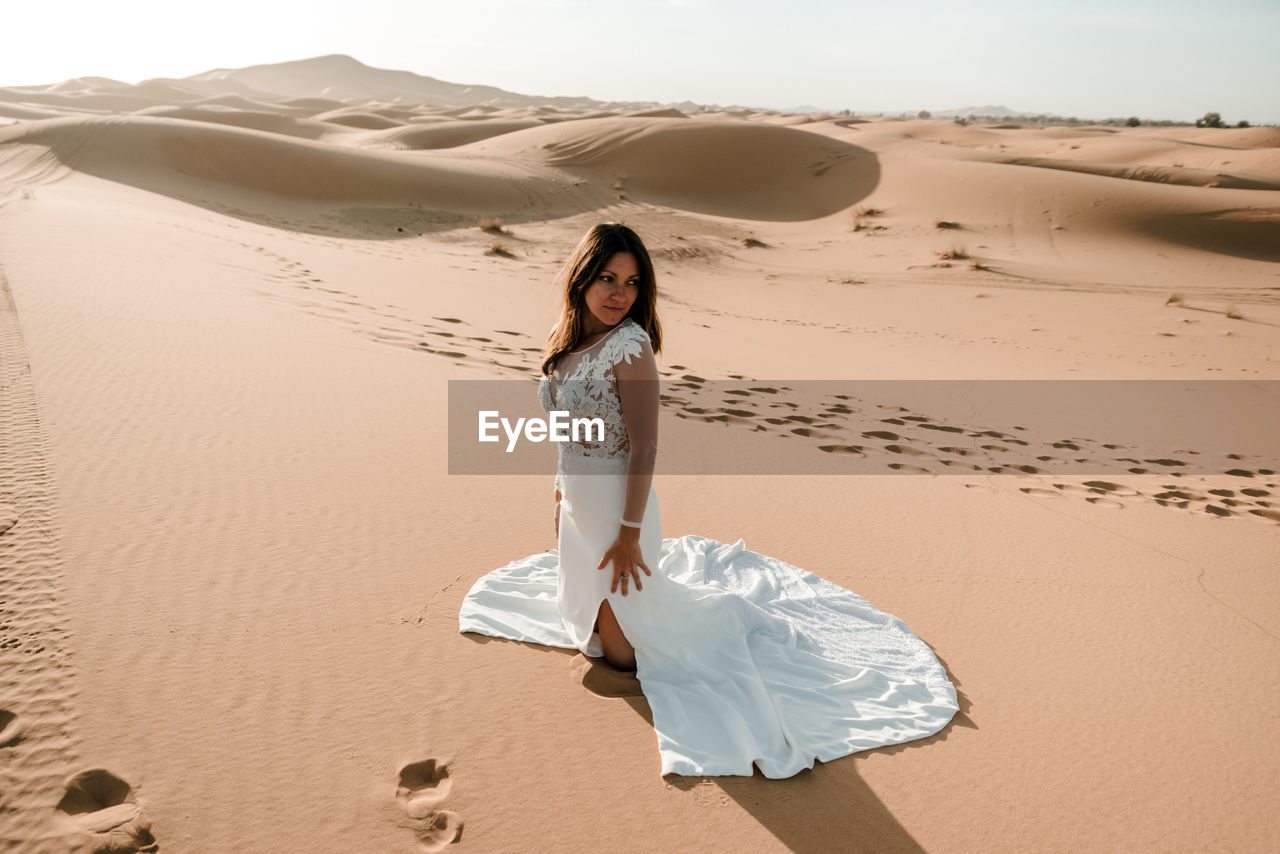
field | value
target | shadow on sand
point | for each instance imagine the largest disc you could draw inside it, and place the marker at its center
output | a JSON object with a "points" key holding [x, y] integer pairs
{"points": [[828, 808]]}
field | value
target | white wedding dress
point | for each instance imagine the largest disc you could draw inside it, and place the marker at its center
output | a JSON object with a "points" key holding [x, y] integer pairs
{"points": [[744, 659]]}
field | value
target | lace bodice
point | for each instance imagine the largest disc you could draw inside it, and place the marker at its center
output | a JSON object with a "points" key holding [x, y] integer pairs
{"points": [[585, 385]]}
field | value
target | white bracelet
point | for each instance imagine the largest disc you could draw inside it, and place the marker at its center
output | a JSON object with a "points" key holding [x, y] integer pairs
{"points": [[630, 524]]}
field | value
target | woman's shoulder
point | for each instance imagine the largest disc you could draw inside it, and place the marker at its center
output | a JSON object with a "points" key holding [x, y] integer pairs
{"points": [[633, 330], [630, 341]]}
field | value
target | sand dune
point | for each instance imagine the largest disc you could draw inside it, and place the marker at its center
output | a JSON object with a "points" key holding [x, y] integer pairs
{"points": [[447, 134], [239, 102], [657, 114], [318, 105], [271, 122], [85, 100], [223, 159], [357, 118], [231, 553], [738, 170], [76, 84], [1155, 174], [18, 111]]}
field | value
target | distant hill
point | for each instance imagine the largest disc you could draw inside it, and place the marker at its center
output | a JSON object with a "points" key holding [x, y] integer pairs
{"points": [[343, 78], [988, 110]]}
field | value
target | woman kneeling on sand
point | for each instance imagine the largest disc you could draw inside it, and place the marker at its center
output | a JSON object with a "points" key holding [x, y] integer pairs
{"points": [[744, 659]]}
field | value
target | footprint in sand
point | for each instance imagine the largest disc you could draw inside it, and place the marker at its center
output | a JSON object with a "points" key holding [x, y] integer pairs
{"points": [[104, 808], [881, 434], [903, 467], [10, 728], [1106, 486], [424, 786]]}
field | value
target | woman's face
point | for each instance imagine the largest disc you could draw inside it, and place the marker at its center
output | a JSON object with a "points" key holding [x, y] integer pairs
{"points": [[615, 289]]}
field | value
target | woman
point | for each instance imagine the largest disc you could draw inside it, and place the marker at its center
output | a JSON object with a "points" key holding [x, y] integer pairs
{"points": [[744, 659], [601, 359]]}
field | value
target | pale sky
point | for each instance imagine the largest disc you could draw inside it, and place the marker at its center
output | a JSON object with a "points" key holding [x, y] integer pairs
{"points": [[1175, 59]]}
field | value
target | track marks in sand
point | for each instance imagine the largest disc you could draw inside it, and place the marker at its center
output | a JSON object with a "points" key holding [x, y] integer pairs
{"points": [[885, 435], [423, 789], [10, 728], [841, 425], [36, 679], [105, 811], [505, 351], [1201, 495]]}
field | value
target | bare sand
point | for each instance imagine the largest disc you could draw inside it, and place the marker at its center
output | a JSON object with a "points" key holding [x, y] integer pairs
{"points": [[231, 553]]}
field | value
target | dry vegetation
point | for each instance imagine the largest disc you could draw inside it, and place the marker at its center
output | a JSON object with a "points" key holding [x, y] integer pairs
{"points": [[496, 248], [953, 254], [946, 223], [492, 226], [751, 242], [860, 217]]}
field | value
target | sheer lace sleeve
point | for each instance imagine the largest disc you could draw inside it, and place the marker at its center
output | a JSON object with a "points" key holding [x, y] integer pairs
{"points": [[637, 379]]}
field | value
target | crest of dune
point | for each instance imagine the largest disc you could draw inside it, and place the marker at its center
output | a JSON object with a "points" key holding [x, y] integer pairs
{"points": [[725, 168], [732, 169]]}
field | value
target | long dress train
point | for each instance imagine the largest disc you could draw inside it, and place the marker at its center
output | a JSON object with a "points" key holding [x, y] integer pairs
{"points": [[744, 659]]}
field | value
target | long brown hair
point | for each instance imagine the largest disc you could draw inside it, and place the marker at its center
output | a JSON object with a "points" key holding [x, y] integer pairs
{"points": [[600, 244]]}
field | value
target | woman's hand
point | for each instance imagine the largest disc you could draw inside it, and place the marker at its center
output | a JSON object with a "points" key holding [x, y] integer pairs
{"points": [[626, 557]]}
